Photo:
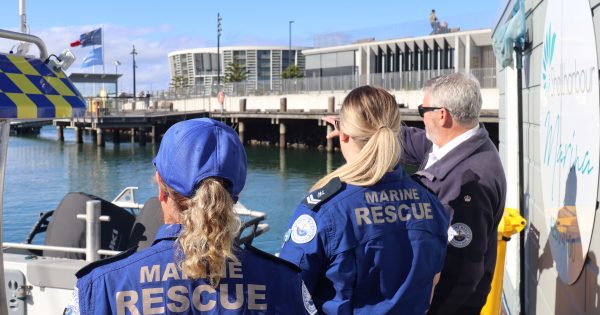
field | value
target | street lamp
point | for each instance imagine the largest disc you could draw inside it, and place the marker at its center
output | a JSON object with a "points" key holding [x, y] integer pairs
{"points": [[290, 50], [133, 53], [219, 29], [117, 63]]}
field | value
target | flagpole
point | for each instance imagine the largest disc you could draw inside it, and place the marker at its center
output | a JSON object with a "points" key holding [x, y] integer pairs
{"points": [[93, 72], [103, 68], [102, 44]]}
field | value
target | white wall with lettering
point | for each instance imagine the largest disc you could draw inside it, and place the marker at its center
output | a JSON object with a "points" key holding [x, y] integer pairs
{"points": [[569, 133]]}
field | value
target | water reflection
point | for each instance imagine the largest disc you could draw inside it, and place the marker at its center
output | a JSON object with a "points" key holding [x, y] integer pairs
{"points": [[40, 171]]}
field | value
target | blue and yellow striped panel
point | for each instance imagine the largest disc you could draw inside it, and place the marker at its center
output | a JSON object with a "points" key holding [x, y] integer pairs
{"points": [[30, 89]]}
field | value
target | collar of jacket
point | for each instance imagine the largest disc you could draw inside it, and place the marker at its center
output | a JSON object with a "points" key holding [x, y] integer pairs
{"points": [[442, 167], [167, 231]]}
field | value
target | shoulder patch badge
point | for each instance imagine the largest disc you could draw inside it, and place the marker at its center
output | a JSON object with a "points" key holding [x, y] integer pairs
{"points": [[317, 197], [308, 302], [304, 229], [460, 235]]}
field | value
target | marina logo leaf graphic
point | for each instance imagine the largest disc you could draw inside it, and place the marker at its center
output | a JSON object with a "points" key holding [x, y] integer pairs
{"points": [[549, 45]]}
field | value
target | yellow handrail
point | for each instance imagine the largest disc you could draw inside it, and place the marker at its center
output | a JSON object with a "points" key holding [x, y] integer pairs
{"points": [[511, 223]]}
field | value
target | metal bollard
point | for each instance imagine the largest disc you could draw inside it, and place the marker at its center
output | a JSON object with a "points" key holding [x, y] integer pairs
{"points": [[92, 230]]}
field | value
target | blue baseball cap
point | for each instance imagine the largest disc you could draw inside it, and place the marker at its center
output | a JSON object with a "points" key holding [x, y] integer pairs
{"points": [[195, 149]]}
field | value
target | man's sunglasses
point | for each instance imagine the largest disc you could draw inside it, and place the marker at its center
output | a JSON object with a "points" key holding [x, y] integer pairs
{"points": [[423, 110]]}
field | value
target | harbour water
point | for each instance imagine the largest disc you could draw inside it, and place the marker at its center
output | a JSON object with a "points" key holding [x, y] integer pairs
{"points": [[40, 171]]}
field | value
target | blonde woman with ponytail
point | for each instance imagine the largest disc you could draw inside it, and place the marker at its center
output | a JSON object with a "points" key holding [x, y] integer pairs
{"points": [[367, 237], [194, 265]]}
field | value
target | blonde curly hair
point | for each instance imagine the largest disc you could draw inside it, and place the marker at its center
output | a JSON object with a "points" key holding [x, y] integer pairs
{"points": [[209, 228]]}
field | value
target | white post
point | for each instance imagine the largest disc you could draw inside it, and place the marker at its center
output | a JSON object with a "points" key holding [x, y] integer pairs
{"points": [[23, 16], [4, 133], [92, 229], [468, 55], [456, 53], [368, 65]]}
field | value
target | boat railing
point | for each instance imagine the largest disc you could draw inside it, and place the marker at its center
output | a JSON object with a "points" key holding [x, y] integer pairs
{"points": [[26, 38], [250, 228], [92, 249]]}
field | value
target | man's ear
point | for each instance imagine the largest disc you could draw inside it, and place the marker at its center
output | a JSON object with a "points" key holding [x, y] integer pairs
{"points": [[445, 118]]}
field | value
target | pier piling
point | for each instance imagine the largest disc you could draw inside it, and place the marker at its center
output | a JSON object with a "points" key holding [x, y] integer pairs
{"points": [[142, 136], [330, 110], [283, 105], [241, 129], [331, 104], [132, 135], [100, 137], [329, 141], [282, 135], [116, 136], [78, 135], [60, 133], [242, 105], [154, 135]]}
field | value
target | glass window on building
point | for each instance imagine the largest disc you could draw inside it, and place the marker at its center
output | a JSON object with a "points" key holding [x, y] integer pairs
{"points": [[239, 57], [287, 58], [264, 64]]}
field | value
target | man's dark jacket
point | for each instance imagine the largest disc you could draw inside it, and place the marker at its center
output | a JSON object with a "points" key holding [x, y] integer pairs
{"points": [[470, 183]]}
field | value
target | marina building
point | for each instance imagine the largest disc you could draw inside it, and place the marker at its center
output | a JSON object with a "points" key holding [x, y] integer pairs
{"points": [[263, 65], [399, 65], [403, 63]]}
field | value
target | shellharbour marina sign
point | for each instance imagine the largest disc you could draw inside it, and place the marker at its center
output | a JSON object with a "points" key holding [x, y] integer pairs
{"points": [[569, 129]]}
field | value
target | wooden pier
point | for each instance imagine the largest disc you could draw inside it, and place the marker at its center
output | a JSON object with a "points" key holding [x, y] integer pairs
{"points": [[283, 128], [29, 126], [138, 124]]}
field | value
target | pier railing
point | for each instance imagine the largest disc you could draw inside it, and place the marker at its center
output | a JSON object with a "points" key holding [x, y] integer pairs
{"points": [[123, 106], [163, 101], [393, 81]]}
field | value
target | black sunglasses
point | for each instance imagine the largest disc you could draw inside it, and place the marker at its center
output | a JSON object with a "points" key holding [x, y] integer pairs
{"points": [[423, 110]]}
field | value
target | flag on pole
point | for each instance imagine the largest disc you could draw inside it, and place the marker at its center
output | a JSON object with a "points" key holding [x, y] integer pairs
{"points": [[88, 39], [93, 58]]}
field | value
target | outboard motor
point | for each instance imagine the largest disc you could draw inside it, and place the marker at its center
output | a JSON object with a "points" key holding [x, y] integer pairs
{"points": [[65, 229], [146, 225]]}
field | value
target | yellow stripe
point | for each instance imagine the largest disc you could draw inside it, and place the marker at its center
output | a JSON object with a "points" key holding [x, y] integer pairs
{"points": [[61, 106], [25, 106], [60, 74], [23, 65], [23, 83], [59, 86]]}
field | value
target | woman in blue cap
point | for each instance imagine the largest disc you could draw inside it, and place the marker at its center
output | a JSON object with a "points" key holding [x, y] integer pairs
{"points": [[368, 238], [193, 265]]}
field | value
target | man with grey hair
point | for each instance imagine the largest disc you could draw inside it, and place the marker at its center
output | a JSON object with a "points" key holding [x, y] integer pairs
{"points": [[460, 164]]}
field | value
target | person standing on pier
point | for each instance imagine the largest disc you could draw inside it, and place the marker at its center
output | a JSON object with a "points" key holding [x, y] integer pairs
{"points": [[461, 165], [433, 20], [368, 238], [194, 265]]}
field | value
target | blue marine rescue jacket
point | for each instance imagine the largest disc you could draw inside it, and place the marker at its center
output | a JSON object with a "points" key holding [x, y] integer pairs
{"points": [[369, 250], [149, 282]]}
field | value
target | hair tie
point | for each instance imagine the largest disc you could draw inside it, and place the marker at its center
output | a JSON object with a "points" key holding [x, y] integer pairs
{"points": [[384, 126]]}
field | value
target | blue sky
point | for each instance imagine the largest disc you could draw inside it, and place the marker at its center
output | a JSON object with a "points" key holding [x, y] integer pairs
{"points": [[158, 27]]}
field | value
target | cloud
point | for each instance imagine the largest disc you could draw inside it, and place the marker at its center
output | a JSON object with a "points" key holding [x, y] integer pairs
{"points": [[151, 43]]}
